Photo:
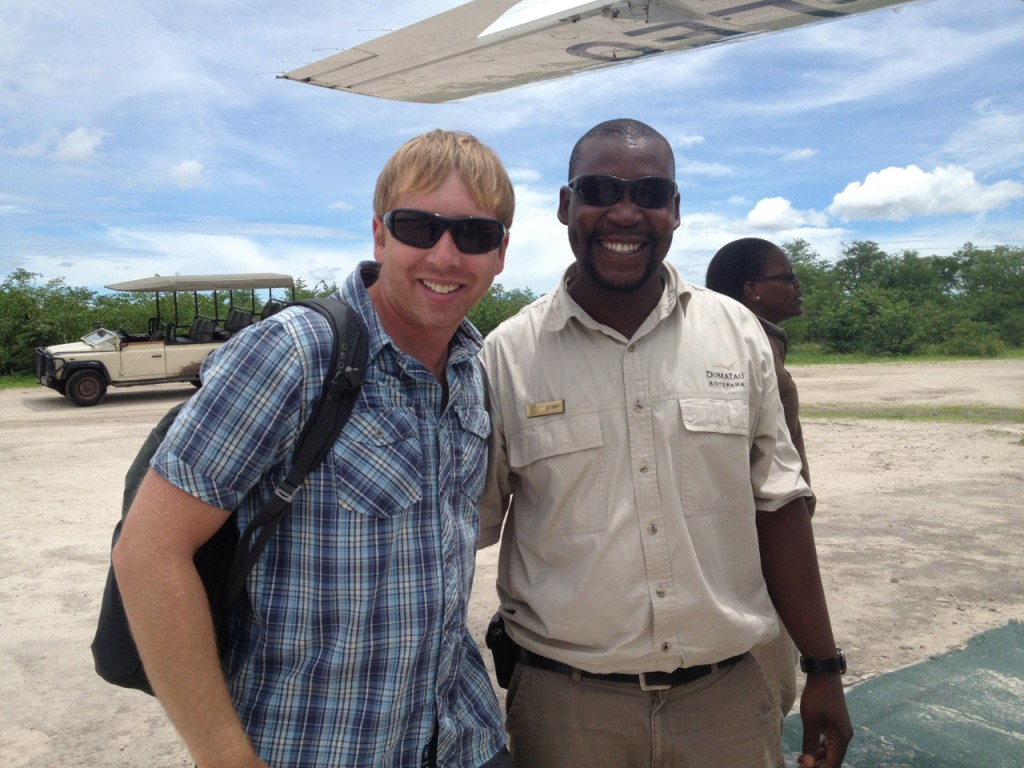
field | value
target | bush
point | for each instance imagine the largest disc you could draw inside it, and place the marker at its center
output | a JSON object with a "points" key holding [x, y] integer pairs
{"points": [[969, 338]]}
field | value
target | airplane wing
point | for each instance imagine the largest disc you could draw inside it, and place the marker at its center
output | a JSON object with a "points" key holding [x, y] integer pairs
{"points": [[491, 45]]}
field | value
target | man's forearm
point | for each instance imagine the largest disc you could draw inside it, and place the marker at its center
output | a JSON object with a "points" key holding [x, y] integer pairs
{"points": [[170, 620], [789, 562]]}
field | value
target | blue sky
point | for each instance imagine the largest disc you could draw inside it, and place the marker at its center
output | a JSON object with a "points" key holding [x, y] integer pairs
{"points": [[141, 138]]}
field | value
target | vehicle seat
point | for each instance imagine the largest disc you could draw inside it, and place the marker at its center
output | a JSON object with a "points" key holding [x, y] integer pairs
{"points": [[205, 330], [237, 319], [270, 308]]}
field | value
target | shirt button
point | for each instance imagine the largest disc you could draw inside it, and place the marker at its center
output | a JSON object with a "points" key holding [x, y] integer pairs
{"points": [[660, 592], [652, 529], [631, 347], [643, 466], [666, 647], [637, 405]]}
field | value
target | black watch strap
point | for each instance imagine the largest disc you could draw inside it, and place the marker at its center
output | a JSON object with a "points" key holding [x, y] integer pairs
{"points": [[835, 665]]}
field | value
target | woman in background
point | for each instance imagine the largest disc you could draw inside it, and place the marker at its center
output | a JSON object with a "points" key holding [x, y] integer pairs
{"points": [[759, 275]]}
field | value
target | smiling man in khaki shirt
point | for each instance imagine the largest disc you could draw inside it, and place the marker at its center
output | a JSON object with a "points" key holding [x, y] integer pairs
{"points": [[654, 499]]}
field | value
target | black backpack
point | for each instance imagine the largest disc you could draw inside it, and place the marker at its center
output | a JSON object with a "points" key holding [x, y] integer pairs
{"points": [[224, 562]]}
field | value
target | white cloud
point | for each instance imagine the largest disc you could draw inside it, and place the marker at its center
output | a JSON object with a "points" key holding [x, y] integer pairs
{"points": [[701, 222], [700, 235], [188, 174], [778, 213], [241, 252], [992, 142], [538, 250], [896, 194], [524, 175], [82, 145], [695, 168], [800, 154], [37, 148], [341, 205], [685, 140]]}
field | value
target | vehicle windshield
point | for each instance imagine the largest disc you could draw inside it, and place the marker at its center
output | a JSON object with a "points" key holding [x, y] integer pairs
{"points": [[98, 336]]}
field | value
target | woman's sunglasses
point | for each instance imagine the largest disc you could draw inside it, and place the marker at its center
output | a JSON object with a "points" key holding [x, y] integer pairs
{"points": [[422, 229], [782, 277], [602, 191]]}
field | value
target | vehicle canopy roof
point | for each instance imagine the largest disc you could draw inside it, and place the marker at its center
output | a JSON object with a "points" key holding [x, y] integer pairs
{"points": [[206, 282]]}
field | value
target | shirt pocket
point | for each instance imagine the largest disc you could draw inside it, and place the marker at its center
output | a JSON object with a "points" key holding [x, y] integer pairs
{"points": [[377, 463], [564, 487], [471, 463], [714, 474]]}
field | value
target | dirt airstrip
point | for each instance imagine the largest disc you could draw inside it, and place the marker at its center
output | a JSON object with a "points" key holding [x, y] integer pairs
{"points": [[920, 531]]}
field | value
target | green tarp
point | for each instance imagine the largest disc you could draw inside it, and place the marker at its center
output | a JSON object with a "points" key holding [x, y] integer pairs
{"points": [[963, 709]]}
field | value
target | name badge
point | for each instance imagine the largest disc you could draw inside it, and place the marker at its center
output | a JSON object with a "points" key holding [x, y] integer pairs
{"points": [[545, 409]]}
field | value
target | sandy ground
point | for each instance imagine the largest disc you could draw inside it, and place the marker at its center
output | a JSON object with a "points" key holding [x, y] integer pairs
{"points": [[919, 530]]}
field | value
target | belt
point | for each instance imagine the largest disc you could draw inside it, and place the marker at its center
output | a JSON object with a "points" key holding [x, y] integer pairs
{"points": [[648, 681]]}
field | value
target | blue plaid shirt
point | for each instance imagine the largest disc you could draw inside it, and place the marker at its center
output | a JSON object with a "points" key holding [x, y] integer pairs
{"points": [[355, 643]]}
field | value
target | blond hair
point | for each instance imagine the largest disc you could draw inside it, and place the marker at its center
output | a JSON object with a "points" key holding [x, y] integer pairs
{"points": [[423, 164]]}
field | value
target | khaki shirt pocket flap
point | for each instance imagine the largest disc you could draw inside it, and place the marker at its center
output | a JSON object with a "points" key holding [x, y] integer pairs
{"points": [[553, 437], [729, 417]]}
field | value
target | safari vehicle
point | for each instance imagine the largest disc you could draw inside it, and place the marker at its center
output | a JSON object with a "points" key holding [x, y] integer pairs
{"points": [[168, 350]]}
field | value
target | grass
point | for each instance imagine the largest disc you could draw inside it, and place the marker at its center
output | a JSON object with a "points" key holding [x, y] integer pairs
{"points": [[15, 382], [812, 354], [960, 414]]}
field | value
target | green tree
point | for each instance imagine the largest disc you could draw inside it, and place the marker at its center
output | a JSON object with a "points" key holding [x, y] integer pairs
{"points": [[320, 289], [498, 304], [35, 316], [991, 287], [863, 263], [820, 289]]}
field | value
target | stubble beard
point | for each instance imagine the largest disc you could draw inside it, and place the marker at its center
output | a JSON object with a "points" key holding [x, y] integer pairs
{"points": [[588, 265]]}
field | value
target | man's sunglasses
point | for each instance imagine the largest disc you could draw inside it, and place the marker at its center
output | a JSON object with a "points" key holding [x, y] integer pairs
{"points": [[602, 191], [782, 277], [422, 229]]}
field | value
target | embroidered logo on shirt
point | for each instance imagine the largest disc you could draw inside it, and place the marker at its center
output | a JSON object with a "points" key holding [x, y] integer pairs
{"points": [[723, 377], [545, 409]]}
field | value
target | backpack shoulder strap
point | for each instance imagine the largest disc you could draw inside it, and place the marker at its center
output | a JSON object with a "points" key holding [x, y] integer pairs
{"points": [[345, 374]]}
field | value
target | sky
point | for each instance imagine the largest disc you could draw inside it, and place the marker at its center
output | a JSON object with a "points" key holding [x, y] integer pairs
{"points": [[141, 138]]}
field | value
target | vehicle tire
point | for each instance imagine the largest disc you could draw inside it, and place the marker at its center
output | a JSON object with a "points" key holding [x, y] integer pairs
{"points": [[86, 387]]}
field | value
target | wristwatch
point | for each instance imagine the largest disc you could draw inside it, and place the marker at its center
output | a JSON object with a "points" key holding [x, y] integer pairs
{"points": [[832, 666]]}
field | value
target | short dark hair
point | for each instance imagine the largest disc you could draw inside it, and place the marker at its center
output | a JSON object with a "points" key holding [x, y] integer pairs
{"points": [[736, 263], [624, 127]]}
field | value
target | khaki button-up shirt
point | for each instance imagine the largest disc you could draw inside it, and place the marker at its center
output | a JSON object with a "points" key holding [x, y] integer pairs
{"points": [[631, 470]]}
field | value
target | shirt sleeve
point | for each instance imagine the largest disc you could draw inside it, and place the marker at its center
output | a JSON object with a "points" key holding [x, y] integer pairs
{"points": [[497, 487], [775, 464], [247, 414]]}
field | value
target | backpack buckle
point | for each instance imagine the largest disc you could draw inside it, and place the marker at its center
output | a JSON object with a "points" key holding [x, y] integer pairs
{"points": [[286, 491]]}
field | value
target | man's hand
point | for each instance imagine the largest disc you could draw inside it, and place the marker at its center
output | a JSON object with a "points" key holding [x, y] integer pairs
{"points": [[827, 727]]}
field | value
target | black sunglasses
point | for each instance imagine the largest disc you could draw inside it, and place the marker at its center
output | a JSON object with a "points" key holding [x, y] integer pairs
{"points": [[646, 192], [422, 229], [783, 277]]}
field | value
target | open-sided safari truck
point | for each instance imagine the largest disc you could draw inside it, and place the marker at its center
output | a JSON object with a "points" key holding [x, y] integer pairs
{"points": [[175, 343]]}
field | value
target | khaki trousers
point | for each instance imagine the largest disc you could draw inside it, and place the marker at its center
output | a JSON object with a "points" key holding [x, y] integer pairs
{"points": [[778, 660], [727, 718]]}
